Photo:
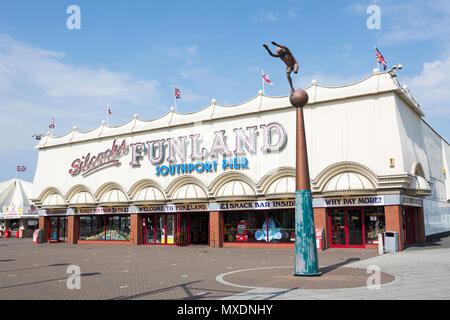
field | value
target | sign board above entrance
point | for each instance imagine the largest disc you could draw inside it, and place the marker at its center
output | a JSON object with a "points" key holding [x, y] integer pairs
{"points": [[358, 201]]}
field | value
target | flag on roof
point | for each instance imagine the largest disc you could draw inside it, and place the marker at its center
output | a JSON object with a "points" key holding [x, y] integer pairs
{"points": [[21, 168], [52, 124], [380, 58], [177, 93], [266, 78], [108, 109]]}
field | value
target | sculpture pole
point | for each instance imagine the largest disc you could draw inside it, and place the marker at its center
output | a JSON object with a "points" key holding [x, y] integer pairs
{"points": [[306, 263]]}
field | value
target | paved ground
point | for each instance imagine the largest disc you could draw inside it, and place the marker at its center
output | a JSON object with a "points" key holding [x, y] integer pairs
{"points": [[421, 271], [29, 271]]}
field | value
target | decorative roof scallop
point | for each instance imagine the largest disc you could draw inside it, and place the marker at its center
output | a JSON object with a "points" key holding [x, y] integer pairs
{"points": [[373, 84], [150, 194], [283, 185], [114, 196], [348, 181], [190, 191], [419, 183], [236, 189], [54, 200], [82, 197]]}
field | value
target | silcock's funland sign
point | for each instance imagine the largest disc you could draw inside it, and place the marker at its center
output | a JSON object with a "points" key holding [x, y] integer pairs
{"points": [[176, 149]]}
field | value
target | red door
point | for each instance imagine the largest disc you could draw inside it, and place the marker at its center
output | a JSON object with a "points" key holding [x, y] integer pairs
{"points": [[346, 228], [158, 229], [57, 229]]}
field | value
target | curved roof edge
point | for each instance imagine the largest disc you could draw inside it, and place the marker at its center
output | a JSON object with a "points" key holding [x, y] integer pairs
{"points": [[373, 84]]}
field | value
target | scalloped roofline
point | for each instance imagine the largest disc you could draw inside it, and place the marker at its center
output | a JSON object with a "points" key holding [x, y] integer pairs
{"points": [[260, 103]]}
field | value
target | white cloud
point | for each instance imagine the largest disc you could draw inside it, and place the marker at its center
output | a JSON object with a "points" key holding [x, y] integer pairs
{"points": [[431, 88], [38, 84], [265, 16]]}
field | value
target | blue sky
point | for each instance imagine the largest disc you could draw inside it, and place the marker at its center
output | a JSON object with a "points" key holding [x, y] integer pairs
{"points": [[129, 54]]}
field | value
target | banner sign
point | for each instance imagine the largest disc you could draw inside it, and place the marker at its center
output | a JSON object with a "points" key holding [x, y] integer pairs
{"points": [[60, 212], [411, 201], [354, 201], [168, 208], [256, 205], [102, 210]]}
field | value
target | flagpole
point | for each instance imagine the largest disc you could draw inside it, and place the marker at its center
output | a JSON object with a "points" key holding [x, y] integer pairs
{"points": [[107, 115], [175, 98], [262, 79]]}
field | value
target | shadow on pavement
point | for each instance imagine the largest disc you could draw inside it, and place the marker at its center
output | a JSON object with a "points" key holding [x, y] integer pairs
{"points": [[49, 280], [148, 293], [432, 242], [332, 267]]}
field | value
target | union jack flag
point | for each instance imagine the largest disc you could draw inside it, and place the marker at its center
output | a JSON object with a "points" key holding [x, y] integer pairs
{"points": [[380, 58], [52, 124], [21, 168], [177, 93]]}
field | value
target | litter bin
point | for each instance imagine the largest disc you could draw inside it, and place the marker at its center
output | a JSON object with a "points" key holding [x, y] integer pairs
{"points": [[391, 241]]}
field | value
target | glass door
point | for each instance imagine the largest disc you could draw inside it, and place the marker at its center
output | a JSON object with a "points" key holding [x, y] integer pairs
{"points": [[182, 229], [355, 227], [338, 228], [346, 227], [149, 229], [159, 229], [53, 229], [170, 229], [58, 229]]}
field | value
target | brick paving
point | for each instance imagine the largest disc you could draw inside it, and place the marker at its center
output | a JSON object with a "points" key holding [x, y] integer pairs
{"points": [[30, 271]]}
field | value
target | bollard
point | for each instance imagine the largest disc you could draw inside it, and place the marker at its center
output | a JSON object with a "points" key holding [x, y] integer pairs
{"points": [[380, 244]]}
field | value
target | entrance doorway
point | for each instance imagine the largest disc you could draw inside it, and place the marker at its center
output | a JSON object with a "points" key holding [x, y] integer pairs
{"points": [[180, 229], [159, 229], [57, 230], [346, 228], [198, 228], [410, 218]]}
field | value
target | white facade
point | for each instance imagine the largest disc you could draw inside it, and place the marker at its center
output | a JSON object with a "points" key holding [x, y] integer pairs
{"points": [[366, 138]]}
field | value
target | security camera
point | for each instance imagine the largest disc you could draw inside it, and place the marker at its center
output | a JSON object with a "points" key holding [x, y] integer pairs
{"points": [[37, 136]]}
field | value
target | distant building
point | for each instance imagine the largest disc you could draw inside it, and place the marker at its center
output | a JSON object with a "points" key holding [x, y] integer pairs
{"points": [[225, 176], [17, 214]]}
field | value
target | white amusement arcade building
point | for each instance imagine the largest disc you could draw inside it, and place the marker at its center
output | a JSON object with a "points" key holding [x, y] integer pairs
{"points": [[225, 175]]}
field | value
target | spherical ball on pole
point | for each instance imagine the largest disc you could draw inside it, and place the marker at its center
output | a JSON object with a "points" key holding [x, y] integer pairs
{"points": [[299, 98]]}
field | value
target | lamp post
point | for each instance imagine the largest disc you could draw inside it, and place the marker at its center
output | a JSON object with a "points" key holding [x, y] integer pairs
{"points": [[306, 262]]}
